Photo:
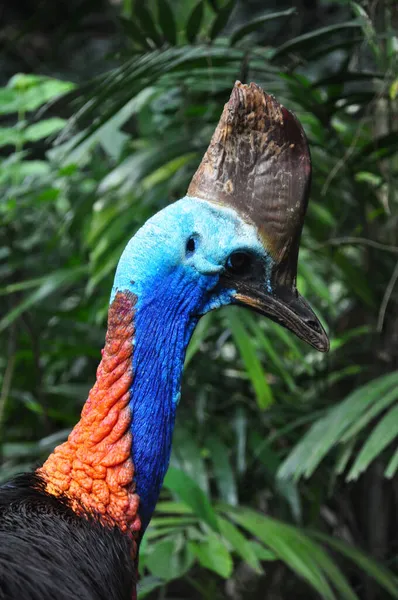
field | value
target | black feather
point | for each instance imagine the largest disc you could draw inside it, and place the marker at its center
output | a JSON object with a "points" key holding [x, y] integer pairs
{"points": [[49, 552]]}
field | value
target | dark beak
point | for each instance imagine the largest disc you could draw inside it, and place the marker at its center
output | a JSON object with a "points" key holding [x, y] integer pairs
{"points": [[286, 307]]}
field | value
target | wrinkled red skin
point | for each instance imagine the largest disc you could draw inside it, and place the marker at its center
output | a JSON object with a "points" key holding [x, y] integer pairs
{"points": [[94, 468]]}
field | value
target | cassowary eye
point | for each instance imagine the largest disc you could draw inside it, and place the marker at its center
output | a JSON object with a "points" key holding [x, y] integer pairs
{"points": [[239, 263], [190, 246]]}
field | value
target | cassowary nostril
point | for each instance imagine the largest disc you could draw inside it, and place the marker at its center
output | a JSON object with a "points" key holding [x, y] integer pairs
{"points": [[314, 325]]}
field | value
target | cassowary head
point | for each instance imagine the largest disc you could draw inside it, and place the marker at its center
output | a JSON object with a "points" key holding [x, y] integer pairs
{"points": [[234, 238]]}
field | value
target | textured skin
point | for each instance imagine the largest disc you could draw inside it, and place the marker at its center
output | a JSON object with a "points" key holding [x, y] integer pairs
{"points": [[48, 552], [94, 468]]}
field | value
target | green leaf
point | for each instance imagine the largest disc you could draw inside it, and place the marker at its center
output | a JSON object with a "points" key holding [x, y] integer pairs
{"points": [[371, 35], [167, 21], [311, 39], [298, 552], [48, 195], [379, 404], [394, 90], [9, 101], [240, 426], [52, 283], [392, 466], [27, 168], [160, 562], [222, 19], [254, 25], [330, 429], [290, 342], [377, 571], [11, 136], [198, 337], [261, 552], [187, 457], [249, 356], [166, 561], [19, 450], [32, 91], [147, 22], [214, 5], [189, 493], [239, 543], [194, 22], [212, 554], [223, 473], [344, 457], [134, 32], [21, 82], [371, 178], [271, 352], [382, 435], [43, 129], [27, 284], [174, 522], [147, 585], [167, 170], [108, 135], [173, 507]]}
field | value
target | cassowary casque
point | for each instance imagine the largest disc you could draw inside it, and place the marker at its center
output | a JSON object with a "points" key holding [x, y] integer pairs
{"points": [[73, 528]]}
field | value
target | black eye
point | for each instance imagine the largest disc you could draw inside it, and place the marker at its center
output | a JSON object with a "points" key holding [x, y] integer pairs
{"points": [[191, 245], [239, 263]]}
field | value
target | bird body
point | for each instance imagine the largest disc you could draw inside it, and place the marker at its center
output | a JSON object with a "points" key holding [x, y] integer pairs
{"points": [[194, 256], [49, 552]]}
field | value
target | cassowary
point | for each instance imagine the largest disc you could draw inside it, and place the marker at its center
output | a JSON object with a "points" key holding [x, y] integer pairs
{"points": [[72, 529]]}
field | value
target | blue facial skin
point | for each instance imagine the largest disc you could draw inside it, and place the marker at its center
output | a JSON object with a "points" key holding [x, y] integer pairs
{"points": [[174, 285]]}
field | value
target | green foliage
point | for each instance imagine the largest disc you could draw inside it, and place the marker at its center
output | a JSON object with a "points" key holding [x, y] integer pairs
{"points": [[279, 453], [343, 424]]}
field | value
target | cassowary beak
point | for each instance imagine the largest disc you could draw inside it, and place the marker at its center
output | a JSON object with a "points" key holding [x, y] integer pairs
{"points": [[288, 309], [259, 164]]}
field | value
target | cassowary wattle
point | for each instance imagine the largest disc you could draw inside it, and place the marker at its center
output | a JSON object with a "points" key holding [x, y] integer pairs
{"points": [[233, 239]]}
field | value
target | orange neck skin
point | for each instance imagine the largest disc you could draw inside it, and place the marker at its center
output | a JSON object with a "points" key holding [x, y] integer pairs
{"points": [[93, 468]]}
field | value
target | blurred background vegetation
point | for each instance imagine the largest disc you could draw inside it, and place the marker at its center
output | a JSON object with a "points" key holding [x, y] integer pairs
{"points": [[284, 470]]}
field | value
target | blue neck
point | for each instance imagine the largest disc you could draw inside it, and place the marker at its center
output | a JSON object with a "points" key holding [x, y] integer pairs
{"points": [[163, 331]]}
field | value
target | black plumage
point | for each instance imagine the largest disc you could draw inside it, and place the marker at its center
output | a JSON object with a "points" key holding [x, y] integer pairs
{"points": [[48, 552]]}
